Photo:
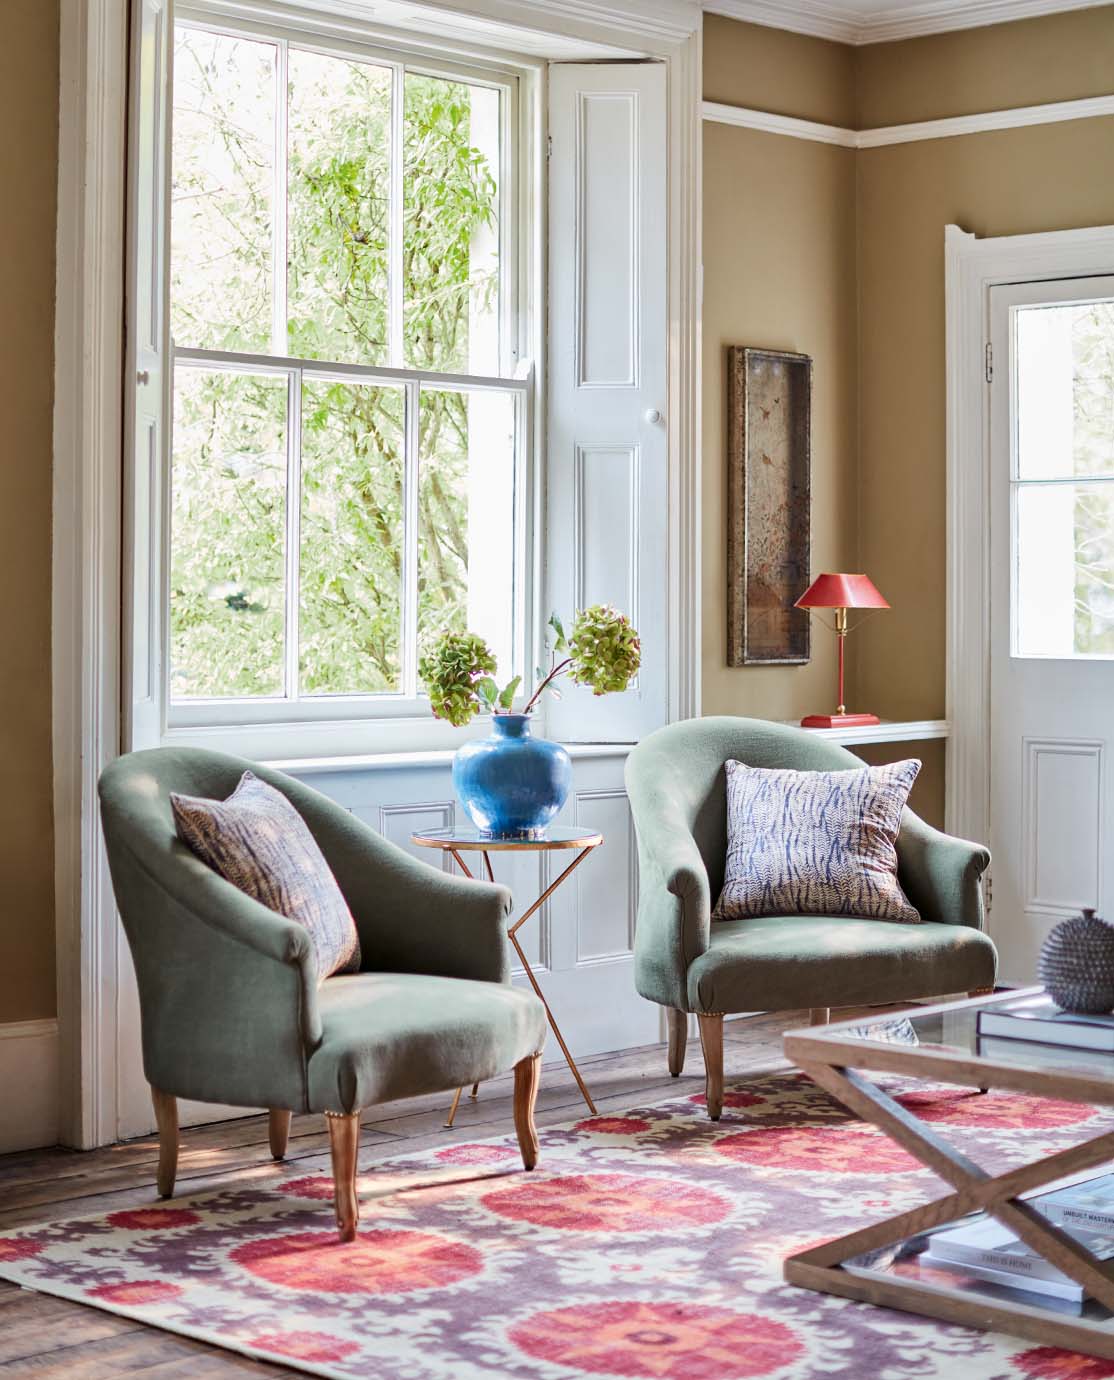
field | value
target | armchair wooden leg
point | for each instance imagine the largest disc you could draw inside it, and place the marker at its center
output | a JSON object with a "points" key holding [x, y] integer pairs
{"points": [[819, 1015], [711, 1040], [344, 1143], [166, 1117], [278, 1131], [527, 1076], [678, 1025]]}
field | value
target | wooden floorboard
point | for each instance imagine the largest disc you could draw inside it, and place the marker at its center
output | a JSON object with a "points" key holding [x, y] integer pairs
{"points": [[51, 1338]]}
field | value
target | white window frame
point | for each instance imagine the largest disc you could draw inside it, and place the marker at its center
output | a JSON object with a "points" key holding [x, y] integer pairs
{"points": [[89, 697], [296, 724]]}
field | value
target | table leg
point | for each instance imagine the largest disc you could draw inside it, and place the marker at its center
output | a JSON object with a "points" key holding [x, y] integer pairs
{"points": [[512, 935], [975, 1190]]}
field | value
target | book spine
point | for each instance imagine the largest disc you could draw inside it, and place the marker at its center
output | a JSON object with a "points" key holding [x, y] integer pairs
{"points": [[1069, 1292], [1081, 1219], [1005, 1262]]}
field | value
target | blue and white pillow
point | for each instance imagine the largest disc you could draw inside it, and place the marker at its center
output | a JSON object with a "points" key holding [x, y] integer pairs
{"points": [[815, 842]]}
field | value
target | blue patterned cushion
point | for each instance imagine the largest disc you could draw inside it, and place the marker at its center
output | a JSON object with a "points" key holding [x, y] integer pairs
{"points": [[815, 842], [258, 841]]}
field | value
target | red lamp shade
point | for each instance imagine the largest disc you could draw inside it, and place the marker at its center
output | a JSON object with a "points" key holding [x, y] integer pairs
{"points": [[841, 592]]}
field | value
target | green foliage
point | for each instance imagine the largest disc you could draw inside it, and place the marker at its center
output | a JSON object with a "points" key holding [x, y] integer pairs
{"points": [[605, 650], [454, 675], [228, 522]]}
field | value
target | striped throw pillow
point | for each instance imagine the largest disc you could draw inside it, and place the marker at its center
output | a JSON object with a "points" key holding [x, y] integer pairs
{"points": [[815, 842], [258, 841]]}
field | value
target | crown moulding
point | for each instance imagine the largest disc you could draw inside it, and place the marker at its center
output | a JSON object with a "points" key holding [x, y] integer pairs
{"points": [[841, 23]]}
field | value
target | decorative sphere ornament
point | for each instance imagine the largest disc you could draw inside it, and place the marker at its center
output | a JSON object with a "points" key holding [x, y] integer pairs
{"points": [[1077, 964]]}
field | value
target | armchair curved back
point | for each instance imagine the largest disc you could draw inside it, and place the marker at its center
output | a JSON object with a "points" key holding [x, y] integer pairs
{"points": [[676, 776]]}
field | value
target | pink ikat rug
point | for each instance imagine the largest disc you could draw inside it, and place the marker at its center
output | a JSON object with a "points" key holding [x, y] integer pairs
{"points": [[646, 1246]]}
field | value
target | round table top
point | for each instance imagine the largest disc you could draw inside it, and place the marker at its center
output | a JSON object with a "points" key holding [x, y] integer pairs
{"points": [[470, 840]]}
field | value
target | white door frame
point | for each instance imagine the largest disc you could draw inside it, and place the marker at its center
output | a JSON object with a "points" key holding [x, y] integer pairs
{"points": [[88, 451], [972, 267]]}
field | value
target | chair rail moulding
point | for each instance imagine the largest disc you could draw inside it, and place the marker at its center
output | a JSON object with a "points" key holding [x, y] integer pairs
{"points": [[951, 127], [88, 450], [972, 267]]}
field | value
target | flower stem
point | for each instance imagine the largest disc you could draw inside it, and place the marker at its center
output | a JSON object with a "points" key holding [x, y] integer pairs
{"points": [[553, 674]]}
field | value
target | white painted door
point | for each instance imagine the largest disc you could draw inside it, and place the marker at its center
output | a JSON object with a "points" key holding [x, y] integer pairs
{"points": [[1052, 609], [607, 494]]}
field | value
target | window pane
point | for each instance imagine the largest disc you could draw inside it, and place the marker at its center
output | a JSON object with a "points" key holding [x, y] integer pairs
{"points": [[223, 192], [1065, 390], [466, 532], [339, 156], [227, 534], [1065, 569], [352, 507], [451, 226]]}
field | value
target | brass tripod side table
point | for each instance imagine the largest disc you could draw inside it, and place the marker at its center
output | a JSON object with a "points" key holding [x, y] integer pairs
{"points": [[458, 841]]}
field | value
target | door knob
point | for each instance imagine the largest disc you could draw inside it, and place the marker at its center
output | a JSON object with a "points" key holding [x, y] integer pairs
{"points": [[653, 416]]}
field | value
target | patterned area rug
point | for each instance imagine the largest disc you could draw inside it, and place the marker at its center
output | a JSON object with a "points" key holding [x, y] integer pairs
{"points": [[646, 1246]]}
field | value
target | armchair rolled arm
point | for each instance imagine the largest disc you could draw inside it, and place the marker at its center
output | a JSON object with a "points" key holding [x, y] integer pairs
{"points": [[940, 873], [674, 912], [434, 922]]}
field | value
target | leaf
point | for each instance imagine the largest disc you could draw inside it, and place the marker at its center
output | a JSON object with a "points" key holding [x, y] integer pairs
{"points": [[558, 627], [506, 699], [487, 690]]}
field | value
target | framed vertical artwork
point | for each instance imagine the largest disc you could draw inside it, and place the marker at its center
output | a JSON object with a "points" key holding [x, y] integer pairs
{"points": [[769, 428]]}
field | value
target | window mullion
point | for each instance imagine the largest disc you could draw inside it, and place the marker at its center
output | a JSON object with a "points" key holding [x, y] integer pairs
{"points": [[411, 446], [280, 342], [395, 231], [293, 592]]}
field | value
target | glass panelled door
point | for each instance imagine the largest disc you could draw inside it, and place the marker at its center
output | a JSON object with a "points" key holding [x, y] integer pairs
{"points": [[1052, 608]]}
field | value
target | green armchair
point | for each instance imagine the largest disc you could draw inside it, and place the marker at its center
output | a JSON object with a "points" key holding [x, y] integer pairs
{"points": [[231, 1010], [676, 784]]}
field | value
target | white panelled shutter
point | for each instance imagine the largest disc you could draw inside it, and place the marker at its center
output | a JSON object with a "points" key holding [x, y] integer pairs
{"points": [[607, 527], [147, 380]]}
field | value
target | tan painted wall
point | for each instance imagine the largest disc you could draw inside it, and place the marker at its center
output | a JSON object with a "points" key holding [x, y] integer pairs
{"points": [[858, 283], [779, 261], [769, 69], [1050, 177], [28, 172], [1059, 57]]}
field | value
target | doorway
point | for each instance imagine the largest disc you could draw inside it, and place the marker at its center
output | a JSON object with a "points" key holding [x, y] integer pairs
{"points": [[1051, 607]]}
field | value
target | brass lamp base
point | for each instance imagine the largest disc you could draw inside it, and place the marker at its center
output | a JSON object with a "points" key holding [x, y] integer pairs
{"points": [[839, 720]]}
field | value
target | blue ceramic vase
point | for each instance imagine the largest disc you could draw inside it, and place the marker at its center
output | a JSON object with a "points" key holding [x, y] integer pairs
{"points": [[511, 783]]}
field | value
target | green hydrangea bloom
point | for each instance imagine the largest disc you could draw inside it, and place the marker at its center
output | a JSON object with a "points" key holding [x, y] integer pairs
{"points": [[450, 671], [604, 649]]}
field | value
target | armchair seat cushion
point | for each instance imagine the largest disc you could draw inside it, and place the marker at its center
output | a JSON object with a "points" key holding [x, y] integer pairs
{"points": [[773, 963], [388, 1035]]}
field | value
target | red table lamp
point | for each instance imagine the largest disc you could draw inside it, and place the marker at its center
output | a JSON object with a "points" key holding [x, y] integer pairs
{"points": [[840, 592]]}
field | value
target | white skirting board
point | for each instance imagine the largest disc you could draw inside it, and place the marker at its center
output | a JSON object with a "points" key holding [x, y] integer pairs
{"points": [[29, 1078]]}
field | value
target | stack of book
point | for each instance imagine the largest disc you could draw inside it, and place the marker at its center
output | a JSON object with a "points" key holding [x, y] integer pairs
{"points": [[1038, 1020], [984, 1249]]}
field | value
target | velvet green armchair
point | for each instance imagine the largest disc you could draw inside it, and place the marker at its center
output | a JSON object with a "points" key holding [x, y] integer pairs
{"points": [[231, 1010], [677, 788]]}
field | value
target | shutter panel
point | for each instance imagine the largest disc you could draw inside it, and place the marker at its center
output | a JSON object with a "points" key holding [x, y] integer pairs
{"points": [[147, 379], [606, 477]]}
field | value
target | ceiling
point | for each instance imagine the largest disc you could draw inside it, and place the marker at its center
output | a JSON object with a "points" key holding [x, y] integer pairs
{"points": [[880, 21]]}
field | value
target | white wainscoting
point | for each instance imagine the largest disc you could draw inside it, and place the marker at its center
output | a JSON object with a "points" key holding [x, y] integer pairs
{"points": [[581, 941], [29, 1079]]}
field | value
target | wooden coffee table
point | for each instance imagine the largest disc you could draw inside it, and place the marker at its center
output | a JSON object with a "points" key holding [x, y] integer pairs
{"points": [[879, 1263]]}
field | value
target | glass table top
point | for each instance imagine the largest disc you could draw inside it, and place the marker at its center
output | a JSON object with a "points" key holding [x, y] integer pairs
{"points": [[475, 840], [1020, 1029]]}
